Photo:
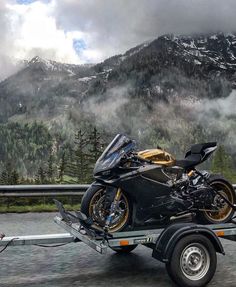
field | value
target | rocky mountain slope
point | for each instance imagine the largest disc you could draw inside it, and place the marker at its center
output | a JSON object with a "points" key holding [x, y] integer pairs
{"points": [[127, 90], [201, 66], [172, 91]]}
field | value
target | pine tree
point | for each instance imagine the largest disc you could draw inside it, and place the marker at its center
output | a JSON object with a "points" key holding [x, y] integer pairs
{"points": [[222, 163], [81, 157], [62, 167], [96, 145], [95, 149], [14, 177], [78, 160], [8, 173], [41, 176], [9, 176], [70, 167], [50, 170], [3, 178]]}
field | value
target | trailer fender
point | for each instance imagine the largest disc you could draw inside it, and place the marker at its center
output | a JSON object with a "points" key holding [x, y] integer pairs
{"points": [[172, 234]]}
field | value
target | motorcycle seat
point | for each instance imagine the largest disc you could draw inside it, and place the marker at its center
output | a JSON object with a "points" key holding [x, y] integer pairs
{"points": [[190, 161], [197, 154]]}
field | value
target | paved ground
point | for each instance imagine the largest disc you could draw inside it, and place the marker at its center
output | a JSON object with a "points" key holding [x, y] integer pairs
{"points": [[77, 265]]}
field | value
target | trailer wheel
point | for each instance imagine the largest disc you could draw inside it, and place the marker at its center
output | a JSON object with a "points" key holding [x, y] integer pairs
{"points": [[193, 261], [124, 249]]}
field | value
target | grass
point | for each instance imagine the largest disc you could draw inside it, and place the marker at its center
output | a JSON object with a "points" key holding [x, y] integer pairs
{"points": [[36, 208]]}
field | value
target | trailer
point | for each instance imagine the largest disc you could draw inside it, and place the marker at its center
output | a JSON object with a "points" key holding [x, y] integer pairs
{"points": [[187, 249]]}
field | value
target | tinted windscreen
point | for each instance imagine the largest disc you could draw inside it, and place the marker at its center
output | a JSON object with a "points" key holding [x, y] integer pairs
{"points": [[119, 142], [113, 153]]}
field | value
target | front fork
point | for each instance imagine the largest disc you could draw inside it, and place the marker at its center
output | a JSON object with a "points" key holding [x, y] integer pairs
{"points": [[113, 209]]}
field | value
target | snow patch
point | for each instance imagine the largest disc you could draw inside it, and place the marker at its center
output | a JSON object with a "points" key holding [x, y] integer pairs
{"points": [[196, 62], [86, 79], [191, 45], [214, 37]]}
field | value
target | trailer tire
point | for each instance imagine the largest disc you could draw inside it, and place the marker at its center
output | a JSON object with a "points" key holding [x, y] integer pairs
{"points": [[124, 249], [193, 261]]}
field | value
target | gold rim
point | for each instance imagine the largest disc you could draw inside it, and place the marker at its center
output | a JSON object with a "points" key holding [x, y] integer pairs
{"points": [[225, 211], [98, 212]]}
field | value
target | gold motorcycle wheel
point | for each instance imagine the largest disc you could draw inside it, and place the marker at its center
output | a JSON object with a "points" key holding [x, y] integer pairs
{"points": [[225, 212], [99, 211]]}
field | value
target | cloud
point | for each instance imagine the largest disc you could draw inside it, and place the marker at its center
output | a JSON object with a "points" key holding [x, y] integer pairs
{"points": [[27, 2], [218, 117], [221, 108], [29, 28], [7, 66], [55, 29], [118, 25], [35, 32], [106, 107]]}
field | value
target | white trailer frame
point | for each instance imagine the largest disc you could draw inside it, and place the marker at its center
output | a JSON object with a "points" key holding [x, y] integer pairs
{"points": [[77, 234]]}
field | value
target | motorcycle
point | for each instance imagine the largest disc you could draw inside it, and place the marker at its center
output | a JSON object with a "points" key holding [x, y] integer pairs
{"points": [[133, 190]]}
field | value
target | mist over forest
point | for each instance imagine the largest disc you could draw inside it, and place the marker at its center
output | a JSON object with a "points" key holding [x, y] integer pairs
{"points": [[172, 92]]}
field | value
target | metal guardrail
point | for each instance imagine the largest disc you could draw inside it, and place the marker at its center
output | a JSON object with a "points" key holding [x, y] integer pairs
{"points": [[42, 190], [45, 190]]}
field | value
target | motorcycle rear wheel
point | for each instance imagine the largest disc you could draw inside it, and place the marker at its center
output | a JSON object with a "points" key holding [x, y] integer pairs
{"points": [[225, 213], [93, 206]]}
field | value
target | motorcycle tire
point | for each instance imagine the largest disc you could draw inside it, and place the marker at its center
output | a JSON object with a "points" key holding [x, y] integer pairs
{"points": [[226, 212], [89, 199]]}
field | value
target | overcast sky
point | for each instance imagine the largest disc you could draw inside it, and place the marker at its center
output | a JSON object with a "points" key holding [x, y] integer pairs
{"points": [[83, 31]]}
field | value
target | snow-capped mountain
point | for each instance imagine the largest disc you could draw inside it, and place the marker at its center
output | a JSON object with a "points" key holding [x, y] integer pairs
{"points": [[53, 66], [185, 66], [218, 50]]}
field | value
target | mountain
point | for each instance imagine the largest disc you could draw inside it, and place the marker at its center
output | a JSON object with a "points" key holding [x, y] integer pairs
{"points": [[174, 90], [155, 70]]}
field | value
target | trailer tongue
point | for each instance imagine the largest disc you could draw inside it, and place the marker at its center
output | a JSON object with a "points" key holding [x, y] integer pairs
{"points": [[187, 249]]}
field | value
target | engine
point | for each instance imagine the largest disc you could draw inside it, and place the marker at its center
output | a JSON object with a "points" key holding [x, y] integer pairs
{"points": [[191, 190]]}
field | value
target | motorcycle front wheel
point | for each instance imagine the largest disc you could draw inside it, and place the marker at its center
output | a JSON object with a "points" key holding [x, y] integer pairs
{"points": [[94, 205], [225, 212]]}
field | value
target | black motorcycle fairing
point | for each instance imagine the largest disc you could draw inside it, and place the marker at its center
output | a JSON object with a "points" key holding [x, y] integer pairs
{"points": [[149, 195], [149, 192], [152, 204], [113, 154]]}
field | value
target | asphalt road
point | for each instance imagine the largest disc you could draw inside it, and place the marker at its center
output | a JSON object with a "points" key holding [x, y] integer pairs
{"points": [[77, 265]]}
